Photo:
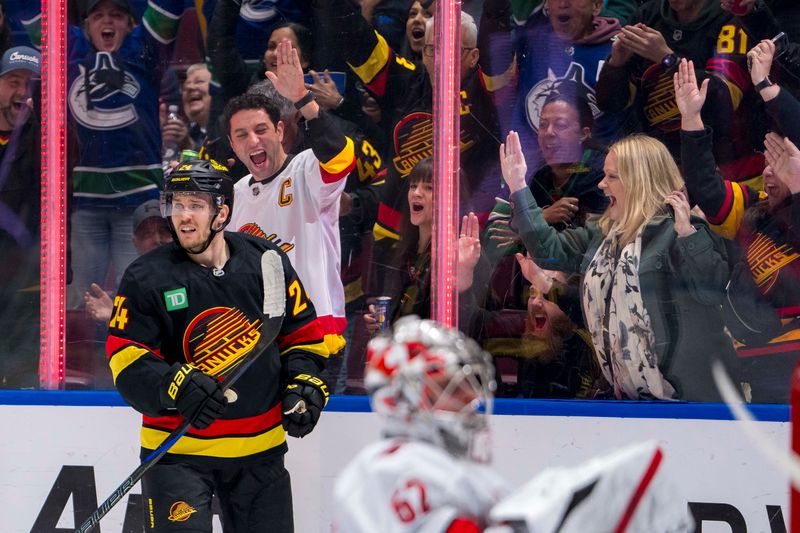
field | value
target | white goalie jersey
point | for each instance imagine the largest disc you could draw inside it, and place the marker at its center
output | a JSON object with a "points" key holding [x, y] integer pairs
{"points": [[400, 486]]}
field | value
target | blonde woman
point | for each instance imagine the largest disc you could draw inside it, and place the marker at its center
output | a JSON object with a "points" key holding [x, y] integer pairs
{"points": [[653, 277]]}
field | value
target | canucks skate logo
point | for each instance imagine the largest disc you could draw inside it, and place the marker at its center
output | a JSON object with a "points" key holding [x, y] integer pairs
{"points": [[536, 97], [219, 337], [91, 90]]}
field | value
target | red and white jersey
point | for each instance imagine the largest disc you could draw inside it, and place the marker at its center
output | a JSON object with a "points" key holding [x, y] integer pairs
{"points": [[298, 209], [399, 486]]}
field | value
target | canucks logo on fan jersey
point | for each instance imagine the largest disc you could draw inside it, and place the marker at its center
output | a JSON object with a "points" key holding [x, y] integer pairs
{"points": [[102, 98]]}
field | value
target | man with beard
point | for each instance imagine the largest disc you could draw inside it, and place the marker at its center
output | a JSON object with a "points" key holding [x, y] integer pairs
{"points": [[20, 215]]}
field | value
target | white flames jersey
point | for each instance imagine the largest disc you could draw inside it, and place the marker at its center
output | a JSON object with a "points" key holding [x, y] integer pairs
{"points": [[398, 486], [298, 210]]}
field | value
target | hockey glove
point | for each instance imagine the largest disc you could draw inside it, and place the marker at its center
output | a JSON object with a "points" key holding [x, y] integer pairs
{"points": [[198, 397], [303, 400]]}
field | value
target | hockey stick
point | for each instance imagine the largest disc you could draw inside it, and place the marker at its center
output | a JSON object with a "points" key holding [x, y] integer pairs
{"points": [[273, 310]]}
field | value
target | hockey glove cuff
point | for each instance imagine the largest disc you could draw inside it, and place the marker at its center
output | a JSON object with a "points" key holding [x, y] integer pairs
{"points": [[303, 400], [198, 397]]}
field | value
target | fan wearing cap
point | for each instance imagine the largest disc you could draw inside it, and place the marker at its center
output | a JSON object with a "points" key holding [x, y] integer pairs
{"points": [[20, 214], [184, 315], [113, 80], [150, 231]]}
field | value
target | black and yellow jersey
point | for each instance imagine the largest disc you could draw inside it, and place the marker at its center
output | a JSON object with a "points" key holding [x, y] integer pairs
{"points": [[170, 309]]}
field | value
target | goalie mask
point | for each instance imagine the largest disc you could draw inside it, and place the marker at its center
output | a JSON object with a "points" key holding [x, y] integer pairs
{"points": [[202, 177], [434, 384]]}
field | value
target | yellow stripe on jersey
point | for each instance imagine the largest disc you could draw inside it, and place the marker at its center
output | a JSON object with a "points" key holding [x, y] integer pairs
{"points": [[229, 447], [498, 81], [730, 225], [124, 358], [335, 343], [318, 348], [375, 62], [379, 232], [341, 161]]}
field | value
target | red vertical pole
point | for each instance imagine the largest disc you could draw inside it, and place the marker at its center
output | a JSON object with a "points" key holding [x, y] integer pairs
{"points": [[54, 191], [794, 410], [446, 151]]}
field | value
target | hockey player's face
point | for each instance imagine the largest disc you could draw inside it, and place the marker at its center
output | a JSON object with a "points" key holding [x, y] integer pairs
{"points": [[192, 215], [420, 203], [572, 19], [560, 133], [256, 140], [107, 26]]}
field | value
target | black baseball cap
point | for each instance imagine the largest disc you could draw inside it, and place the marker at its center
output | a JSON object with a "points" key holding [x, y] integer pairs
{"points": [[91, 4]]}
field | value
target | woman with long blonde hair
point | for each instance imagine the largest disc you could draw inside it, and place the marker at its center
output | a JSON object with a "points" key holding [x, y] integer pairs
{"points": [[653, 276]]}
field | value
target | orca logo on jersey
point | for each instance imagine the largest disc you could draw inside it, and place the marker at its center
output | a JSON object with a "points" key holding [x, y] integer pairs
{"points": [[102, 97], [219, 337]]}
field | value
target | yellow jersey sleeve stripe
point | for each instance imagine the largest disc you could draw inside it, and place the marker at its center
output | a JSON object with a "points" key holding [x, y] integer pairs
{"points": [[376, 61], [498, 81], [730, 225], [379, 232], [124, 358], [342, 161], [319, 348], [229, 447]]}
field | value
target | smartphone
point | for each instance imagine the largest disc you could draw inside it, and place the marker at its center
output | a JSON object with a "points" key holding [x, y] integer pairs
{"points": [[670, 210], [338, 77], [781, 43]]}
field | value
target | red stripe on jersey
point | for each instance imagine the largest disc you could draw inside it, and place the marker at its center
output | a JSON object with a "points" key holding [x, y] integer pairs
{"points": [[222, 427], [730, 70], [743, 168], [388, 217], [311, 333], [463, 525], [332, 324], [636, 498], [792, 311], [378, 83], [329, 177], [769, 349], [723, 212], [115, 344]]}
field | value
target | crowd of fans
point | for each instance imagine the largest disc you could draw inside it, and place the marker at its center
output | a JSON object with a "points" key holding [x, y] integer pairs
{"points": [[627, 185]]}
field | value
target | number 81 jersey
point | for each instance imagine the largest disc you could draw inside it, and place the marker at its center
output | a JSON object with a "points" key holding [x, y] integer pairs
{"points": [[400, 486]]}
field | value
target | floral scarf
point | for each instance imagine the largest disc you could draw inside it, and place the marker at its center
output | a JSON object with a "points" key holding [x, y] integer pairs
{"points": [[619, 324]]}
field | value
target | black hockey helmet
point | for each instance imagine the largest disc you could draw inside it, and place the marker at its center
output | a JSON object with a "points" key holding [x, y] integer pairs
{"points": [[199, 176]]}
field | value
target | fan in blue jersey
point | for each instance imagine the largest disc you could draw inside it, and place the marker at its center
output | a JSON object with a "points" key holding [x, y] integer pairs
{"points": [[114, 74]]}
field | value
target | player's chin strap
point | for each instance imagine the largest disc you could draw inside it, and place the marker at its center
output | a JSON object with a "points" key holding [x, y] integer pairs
{"points": [[273, 309]]}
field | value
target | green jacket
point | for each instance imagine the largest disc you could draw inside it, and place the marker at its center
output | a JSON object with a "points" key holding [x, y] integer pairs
{"points": [[682, 282]]}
